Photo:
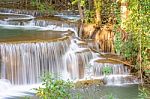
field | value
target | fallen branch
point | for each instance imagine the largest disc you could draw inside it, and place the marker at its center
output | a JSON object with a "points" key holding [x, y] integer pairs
{"points": [[120, 61]]}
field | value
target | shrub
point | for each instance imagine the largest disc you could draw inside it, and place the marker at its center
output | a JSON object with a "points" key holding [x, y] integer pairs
{"points": [[54, 88]]}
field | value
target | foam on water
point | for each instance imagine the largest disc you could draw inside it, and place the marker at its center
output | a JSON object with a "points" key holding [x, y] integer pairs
{"points": [[18, 91], [4, 84]]}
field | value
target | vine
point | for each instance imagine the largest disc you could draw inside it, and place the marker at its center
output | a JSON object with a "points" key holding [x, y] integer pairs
{"points": [[138, 26], [137, 44]]}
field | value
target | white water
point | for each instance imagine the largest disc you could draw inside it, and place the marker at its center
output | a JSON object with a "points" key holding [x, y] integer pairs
{"points": [[4, 84], [39, 24], [115, 69], [76, 61], [17, 11], [16, 19], [18, 91], [23, 63]]}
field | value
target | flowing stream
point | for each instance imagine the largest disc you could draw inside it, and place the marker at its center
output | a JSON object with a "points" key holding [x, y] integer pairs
{"points": [[30, 47]]}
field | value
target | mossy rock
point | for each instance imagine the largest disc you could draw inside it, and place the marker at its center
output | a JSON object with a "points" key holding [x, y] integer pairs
{"points": [[89, 82]]}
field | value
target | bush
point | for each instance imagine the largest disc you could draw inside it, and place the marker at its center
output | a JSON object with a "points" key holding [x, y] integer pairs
{"points": [[54, 88]]}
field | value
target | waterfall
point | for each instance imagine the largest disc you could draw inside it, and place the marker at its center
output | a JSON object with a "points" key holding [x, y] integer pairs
{"points": [[35, 13], [28, 49], [13, 19], [18, 11], [83, 64], [23, 63], [115, 69], [111, 72], [76, 60]]}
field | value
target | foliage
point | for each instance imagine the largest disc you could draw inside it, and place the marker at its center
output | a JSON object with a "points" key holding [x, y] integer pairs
{"points": [[147, 72], [144, 93], [107, 9], [89, 16], [74, 2], [138, 26], [43, 7], [82, 2], [107, 70], [88, 13], [54, 88], [110, 96], [98, 4], [99, 9], [26, 97], [79, 96], [118, 42]]}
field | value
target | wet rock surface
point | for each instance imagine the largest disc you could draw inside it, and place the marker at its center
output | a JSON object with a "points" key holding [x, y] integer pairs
{"points": [[89, 82]]}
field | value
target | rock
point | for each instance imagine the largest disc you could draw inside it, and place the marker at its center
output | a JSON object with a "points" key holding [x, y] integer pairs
{"points": [[105, 37], [88, 31], [89, 82]]}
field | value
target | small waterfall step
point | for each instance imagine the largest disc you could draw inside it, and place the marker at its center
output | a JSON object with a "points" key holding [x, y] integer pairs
{"points": [[28, 21], [76, 60], [111, 72], [15, 17], [22, 63]]}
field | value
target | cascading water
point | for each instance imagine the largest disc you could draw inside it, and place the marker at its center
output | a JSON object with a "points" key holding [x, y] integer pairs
{"points": [[95, 66], [27, 51], [18, 11], [24, 63], [26, 19], [12, 19], [76, 62], [65, 14], [112, 72], [117, 68]]}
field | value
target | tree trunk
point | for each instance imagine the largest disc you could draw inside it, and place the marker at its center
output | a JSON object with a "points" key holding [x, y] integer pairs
{"points": [[81, 12], [98, 7], [90, 4]]}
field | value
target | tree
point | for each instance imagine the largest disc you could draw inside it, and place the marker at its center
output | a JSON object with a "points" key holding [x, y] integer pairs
{"points": [[98, 10], [134, 44]]}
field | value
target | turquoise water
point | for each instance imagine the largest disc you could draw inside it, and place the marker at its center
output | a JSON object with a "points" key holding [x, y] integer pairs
{"points": [[94, 92], [109, 92], [13, 34], [10, 33]]}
